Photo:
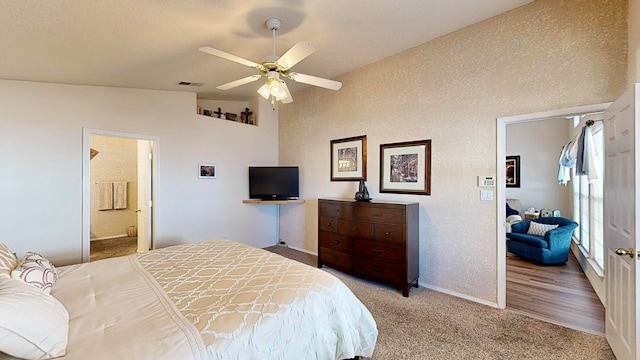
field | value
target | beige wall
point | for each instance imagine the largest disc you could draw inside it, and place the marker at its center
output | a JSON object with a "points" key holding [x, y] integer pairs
{"points": [[546, 55], [538, 143], [117, 160]]}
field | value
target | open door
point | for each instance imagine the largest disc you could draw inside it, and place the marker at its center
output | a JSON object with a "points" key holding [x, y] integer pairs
{"points": [[144, 206], [620, 238]]}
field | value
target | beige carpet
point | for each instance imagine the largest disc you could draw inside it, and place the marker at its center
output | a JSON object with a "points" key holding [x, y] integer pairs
{"points": [[108, 248], [432, 325]]}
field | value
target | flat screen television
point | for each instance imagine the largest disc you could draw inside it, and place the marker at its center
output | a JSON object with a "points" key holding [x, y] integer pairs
{"points": [[274, 182]]}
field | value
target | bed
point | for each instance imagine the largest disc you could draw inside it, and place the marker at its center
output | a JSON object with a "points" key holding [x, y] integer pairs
{"points": [[216, 299]]}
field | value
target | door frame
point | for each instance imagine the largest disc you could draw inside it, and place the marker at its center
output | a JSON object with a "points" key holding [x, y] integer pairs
{"points": [[501, 153], [86, 181]]}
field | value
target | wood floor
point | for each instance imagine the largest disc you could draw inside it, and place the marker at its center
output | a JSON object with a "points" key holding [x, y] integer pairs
{"points": [[558, 294]]}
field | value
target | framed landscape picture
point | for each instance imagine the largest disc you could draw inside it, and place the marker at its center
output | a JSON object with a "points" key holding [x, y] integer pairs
{"points": [[349, 159], [405, 168]]}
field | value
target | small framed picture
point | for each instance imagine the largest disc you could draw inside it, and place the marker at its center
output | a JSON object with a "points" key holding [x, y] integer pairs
{"points": [[349, 159], [206, 171], [513, 171], [405, 168]]}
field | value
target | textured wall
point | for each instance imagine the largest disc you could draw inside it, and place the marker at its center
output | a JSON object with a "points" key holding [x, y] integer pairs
{"points": [[546, 55], [117, 160]]}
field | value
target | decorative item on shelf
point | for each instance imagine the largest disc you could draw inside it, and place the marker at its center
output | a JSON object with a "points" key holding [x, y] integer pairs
{"points": [[363, 193], [206, 112], [556, 213], [252, 119], [217, 114], [231, 116], [199, 110], [244, 116]]}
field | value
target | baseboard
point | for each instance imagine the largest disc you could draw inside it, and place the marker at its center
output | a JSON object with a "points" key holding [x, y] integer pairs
{"points": [[110, 237], [459, 295], [303, 250]]}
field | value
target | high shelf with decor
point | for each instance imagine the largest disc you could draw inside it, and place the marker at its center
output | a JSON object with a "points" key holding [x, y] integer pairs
{"points": [[374, 240]]}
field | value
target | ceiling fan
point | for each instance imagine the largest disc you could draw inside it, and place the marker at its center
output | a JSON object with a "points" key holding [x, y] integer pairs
{"points": [[275, 69]]}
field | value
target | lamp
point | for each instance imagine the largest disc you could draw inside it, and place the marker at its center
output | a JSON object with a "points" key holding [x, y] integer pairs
{"points": [[275, 89]]}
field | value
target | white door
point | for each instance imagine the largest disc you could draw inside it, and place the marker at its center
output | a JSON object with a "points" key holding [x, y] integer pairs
{"points": [[620, 240], [144, 208]]}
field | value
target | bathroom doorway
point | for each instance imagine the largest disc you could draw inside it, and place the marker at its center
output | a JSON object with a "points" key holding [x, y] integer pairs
{"points": [[118, 188]]}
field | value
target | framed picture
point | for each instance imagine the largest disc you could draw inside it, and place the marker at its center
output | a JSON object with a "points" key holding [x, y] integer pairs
{"points": [[206, 171], [405, 168], [349, 159], [513, 171]]}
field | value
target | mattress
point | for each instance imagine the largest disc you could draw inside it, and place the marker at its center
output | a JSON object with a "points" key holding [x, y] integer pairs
{"points": [[215, 299]]}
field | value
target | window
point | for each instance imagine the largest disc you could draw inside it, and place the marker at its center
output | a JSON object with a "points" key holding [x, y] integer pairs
{"points": [[588, 207]]}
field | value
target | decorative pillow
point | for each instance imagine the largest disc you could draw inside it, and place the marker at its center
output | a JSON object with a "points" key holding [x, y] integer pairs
{"points": [[36, 270], [8, 261], [539, 229], [33, 324]]}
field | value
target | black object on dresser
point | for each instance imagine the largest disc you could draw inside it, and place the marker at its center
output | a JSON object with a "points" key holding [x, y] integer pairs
{"points": [[373, 240]]}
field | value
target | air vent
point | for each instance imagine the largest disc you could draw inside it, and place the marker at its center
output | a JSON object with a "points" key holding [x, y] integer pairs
{"points": [[188, 83]]}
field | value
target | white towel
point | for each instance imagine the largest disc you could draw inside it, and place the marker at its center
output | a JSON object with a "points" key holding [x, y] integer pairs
{"points": [[119, 195], [104, 195]]}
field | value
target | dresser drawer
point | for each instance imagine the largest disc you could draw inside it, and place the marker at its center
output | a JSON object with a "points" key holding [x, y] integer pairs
{"points": [[355, 228], [379, 215], [335, 209], [388, 233], [335, 258], [328, 224], [375, 250], [378, 269], [336, 242]]}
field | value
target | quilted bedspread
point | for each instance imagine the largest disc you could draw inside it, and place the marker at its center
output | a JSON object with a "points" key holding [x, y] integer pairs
{"points": [[215, 299]]}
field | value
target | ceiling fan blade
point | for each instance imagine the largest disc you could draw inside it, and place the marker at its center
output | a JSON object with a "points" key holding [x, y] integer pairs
{"points": [[297, 53], [316, 81], [225, 55], [236, 83], [289, 98]]}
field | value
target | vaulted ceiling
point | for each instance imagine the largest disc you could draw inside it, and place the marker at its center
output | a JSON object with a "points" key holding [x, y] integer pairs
{"points": [[153, 44]]}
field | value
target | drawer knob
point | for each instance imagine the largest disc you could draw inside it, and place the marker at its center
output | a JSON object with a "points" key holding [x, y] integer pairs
{"points": [[387, 233], [353, 229], [377, 269], [337, 210], [336, 258], [376, 251], [328, 224], [335, 241]]}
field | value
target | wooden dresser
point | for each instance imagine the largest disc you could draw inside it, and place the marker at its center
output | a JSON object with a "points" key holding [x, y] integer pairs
{"points": [[374, 240]]}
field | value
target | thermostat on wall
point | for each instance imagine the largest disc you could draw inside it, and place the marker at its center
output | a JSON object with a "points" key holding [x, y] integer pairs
{"points": [[486, 181]]}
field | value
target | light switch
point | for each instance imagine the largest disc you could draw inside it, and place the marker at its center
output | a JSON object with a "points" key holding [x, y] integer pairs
{"points": [[486, 195]]}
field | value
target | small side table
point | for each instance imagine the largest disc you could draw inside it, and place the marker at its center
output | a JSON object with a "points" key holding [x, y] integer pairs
{"points": [[531, 215]]}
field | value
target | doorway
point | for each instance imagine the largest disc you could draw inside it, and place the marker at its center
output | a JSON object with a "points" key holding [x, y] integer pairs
{"points": [[519, 271], [118, 190]]}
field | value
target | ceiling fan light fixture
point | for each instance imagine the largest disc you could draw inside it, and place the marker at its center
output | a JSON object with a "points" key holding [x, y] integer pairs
{"points": [[273, 88]]}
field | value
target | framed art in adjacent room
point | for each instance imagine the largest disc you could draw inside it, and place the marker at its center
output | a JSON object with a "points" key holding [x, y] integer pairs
{"points": [[206, 171], [349, 159], [405, 168], [513, 171]]}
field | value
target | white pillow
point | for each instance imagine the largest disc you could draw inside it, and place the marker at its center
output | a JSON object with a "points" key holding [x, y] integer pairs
{"points": [[539, 229], [8, 261], [33, 324], [36, 270]]}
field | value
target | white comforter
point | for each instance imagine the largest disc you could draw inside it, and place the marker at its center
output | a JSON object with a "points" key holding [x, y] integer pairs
{"points": [[215, 299]]}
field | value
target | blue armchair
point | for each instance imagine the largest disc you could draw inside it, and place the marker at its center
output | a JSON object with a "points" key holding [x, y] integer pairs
{"points": [[552, 249]]}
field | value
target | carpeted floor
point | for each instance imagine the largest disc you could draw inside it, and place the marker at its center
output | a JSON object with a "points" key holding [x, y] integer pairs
{"points": [[432, 325], [108, 248]]}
